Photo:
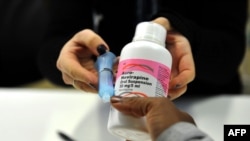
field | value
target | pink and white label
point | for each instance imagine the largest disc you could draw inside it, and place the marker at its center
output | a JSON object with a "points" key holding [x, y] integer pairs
{"points": [[140, 77]]}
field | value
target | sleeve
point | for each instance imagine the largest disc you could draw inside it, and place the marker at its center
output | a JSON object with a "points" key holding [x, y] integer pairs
{"points": [[216, 32], [183, 131], [66, 19]]}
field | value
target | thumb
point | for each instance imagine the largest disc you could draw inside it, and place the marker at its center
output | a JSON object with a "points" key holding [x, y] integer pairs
{"points": [[164, 22], [134, 106]]}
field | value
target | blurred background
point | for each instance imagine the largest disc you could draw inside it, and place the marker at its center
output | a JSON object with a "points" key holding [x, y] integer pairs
{"points": [[244, 69]]}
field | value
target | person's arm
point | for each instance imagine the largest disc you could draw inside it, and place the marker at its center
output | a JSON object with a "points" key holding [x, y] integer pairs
{"points": [[183, 131], [66, 19], [216, 32], [165, 122]]}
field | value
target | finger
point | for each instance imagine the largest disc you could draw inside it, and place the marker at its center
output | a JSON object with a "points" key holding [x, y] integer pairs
{"points": [[174, 37], [81, 85], [182, 79], [186, 72], [177, 92], [134, 106], [115, 66], [84, 86], [71, 66], [67, 79], [89, 39], [164, 22]]}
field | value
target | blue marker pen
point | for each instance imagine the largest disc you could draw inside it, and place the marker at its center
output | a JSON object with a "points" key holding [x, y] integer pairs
{"points": [[104, 65]]}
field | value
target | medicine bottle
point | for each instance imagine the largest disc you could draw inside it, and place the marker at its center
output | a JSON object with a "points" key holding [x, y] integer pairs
{"points": [[143, 71]]}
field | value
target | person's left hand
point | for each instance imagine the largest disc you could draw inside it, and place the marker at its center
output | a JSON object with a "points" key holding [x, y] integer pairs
{"points": [[183, 68]]}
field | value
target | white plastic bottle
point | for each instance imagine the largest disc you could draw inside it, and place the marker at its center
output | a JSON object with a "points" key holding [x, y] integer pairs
{"points": [[143, 71]]}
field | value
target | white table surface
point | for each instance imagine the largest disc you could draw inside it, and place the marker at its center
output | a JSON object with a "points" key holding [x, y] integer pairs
{"points": [[38, 114]]}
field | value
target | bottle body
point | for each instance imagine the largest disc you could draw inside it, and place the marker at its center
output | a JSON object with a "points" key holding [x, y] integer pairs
{"points": [[143, 71]]}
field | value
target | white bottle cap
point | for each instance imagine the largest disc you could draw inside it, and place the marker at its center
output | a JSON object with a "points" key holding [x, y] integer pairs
{"points": [[150, 31]]}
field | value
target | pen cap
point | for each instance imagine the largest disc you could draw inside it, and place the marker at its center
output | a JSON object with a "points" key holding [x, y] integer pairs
{"points": [[150, 31], [105, 61]]}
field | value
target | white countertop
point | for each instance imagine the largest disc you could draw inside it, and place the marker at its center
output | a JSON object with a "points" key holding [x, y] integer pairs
{"points": [[38, 114]]}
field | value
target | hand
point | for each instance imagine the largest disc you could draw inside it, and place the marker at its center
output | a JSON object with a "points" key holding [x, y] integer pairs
{"points": [[183, 68], [76, 61], [160, 112]]}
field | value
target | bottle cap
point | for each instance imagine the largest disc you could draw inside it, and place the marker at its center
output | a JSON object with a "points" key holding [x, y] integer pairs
{"points": [[150, 31]]}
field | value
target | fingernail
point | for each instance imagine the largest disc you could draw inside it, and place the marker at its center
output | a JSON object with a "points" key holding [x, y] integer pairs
{"points": [[116, 99], [101, 49], [177, 86]]}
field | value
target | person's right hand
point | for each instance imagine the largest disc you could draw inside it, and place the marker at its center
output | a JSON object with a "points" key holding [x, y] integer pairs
{"points": [[76, 61], [160, 112]]}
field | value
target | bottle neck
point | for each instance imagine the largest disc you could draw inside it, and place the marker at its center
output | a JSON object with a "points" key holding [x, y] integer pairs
{"points": [[150, 39]]}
